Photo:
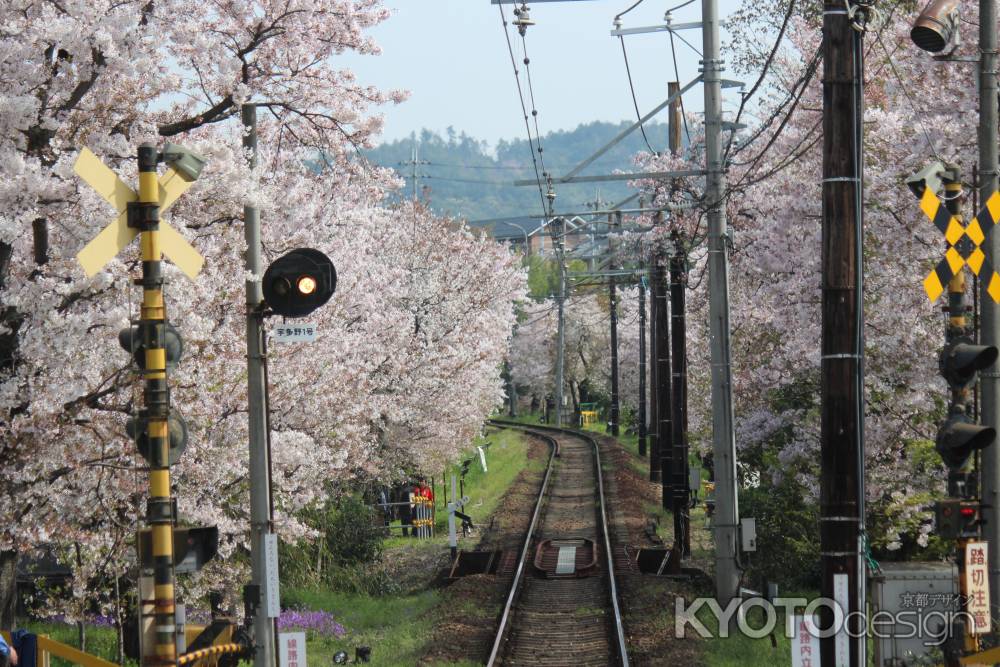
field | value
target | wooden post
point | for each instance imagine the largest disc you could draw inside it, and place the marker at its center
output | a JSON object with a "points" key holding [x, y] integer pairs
{"points": [[841, 445], [678, 417]]}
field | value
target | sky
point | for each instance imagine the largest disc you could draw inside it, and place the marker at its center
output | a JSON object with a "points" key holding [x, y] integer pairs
{"points": [[452, 56]]}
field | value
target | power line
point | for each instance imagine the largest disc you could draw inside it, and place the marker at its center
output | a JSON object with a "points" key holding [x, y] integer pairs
{"points": [[621, 14], [632, 88]]}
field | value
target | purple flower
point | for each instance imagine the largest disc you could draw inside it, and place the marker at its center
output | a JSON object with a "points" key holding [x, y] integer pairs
{"points": [[320, 622]]}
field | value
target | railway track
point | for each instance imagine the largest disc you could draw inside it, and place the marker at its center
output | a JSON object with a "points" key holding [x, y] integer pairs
{"points": [[562, 607]]}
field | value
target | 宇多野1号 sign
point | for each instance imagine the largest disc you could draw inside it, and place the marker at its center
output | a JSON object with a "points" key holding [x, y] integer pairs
{"points": [[302, 332]]}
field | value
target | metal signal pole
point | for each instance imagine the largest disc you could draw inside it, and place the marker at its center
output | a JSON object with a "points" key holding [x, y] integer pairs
{"points": [[990, 322], [263, 542], [156, 395], [727, 515], [841, 434]]}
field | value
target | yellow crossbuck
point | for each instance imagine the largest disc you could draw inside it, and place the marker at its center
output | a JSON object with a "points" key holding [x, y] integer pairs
{"points": [[113, 238], [961, 252]]}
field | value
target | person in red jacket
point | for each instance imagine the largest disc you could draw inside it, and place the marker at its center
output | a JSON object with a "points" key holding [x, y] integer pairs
{"points": [[424, 490]]}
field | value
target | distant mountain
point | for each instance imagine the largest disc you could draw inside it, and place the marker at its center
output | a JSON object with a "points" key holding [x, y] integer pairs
{"points": [[459, 175]]}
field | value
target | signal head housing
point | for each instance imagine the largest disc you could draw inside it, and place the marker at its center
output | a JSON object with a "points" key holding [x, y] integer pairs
{"points": [[299, 282], [961, 359], [959, 437]]}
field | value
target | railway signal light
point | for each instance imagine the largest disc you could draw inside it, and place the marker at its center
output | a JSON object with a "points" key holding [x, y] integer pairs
{"points": [[961, 359], [130, 338], [957, 519], [959, 437], [299, 282], [193, 547], [177, 442]]}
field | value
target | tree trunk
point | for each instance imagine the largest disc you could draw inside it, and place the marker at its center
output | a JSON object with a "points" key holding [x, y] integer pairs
{"points": [[8, 589]]}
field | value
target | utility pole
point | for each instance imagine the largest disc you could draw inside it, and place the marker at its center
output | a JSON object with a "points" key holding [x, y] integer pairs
{"points": [[613, 297], [678, 417], [842, 381], [726, 520], [662, 467], [990, 322], [642, 361], [654, 423], [560, 299], [412, 164], [263, 542], [670, 461]]}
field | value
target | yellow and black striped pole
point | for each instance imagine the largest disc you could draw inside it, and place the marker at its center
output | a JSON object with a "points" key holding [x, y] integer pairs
{"points": [[144, 214], [956, 327], [956, 284]]}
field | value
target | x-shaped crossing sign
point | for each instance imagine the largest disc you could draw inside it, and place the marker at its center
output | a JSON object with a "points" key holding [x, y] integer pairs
{"points": [[113, 238], [964, 244]]}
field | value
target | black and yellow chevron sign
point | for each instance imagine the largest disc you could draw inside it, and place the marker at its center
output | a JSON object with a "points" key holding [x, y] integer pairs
{"points": [[963, 244]]}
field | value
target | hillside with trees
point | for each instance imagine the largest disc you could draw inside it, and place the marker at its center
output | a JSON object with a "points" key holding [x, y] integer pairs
{"points": [[463, 176]]}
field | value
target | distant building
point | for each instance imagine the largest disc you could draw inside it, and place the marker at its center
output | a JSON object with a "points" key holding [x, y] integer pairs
{"points": [[538, 234]]}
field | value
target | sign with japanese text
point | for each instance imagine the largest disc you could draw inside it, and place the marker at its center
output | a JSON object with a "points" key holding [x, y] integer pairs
{"points": [[977, 586], [292, 649], [301, 332], [805, 641]]}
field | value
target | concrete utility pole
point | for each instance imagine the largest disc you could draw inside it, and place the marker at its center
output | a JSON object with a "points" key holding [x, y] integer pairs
{"points": [[842, 381], [726, 520], [642, 362], [560, 299], [263, 542], [412, 163], [613, 297], [990, 319]]}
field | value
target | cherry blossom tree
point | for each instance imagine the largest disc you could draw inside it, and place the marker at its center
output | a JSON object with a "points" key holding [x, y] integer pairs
{"points": [[407, 362]]}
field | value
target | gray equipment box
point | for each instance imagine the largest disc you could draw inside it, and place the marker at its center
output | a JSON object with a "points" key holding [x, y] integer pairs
{"points": [[910, 602]]}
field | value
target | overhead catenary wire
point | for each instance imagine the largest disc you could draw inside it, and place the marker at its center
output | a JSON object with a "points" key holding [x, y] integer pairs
{"points": [[534, 107], [524, 108]]}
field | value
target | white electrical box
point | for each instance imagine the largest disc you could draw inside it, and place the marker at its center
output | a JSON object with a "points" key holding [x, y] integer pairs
{"points": [[748, 534]]}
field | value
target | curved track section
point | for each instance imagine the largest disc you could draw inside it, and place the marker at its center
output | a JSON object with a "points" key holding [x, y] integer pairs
{"points": [[563, 608]]}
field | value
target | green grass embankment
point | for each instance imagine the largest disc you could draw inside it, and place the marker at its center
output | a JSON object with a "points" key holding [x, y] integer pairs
{"points": [[398, 627]]}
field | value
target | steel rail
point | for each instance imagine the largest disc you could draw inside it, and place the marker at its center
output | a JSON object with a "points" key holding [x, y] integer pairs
{"points": [[515, 588]]}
